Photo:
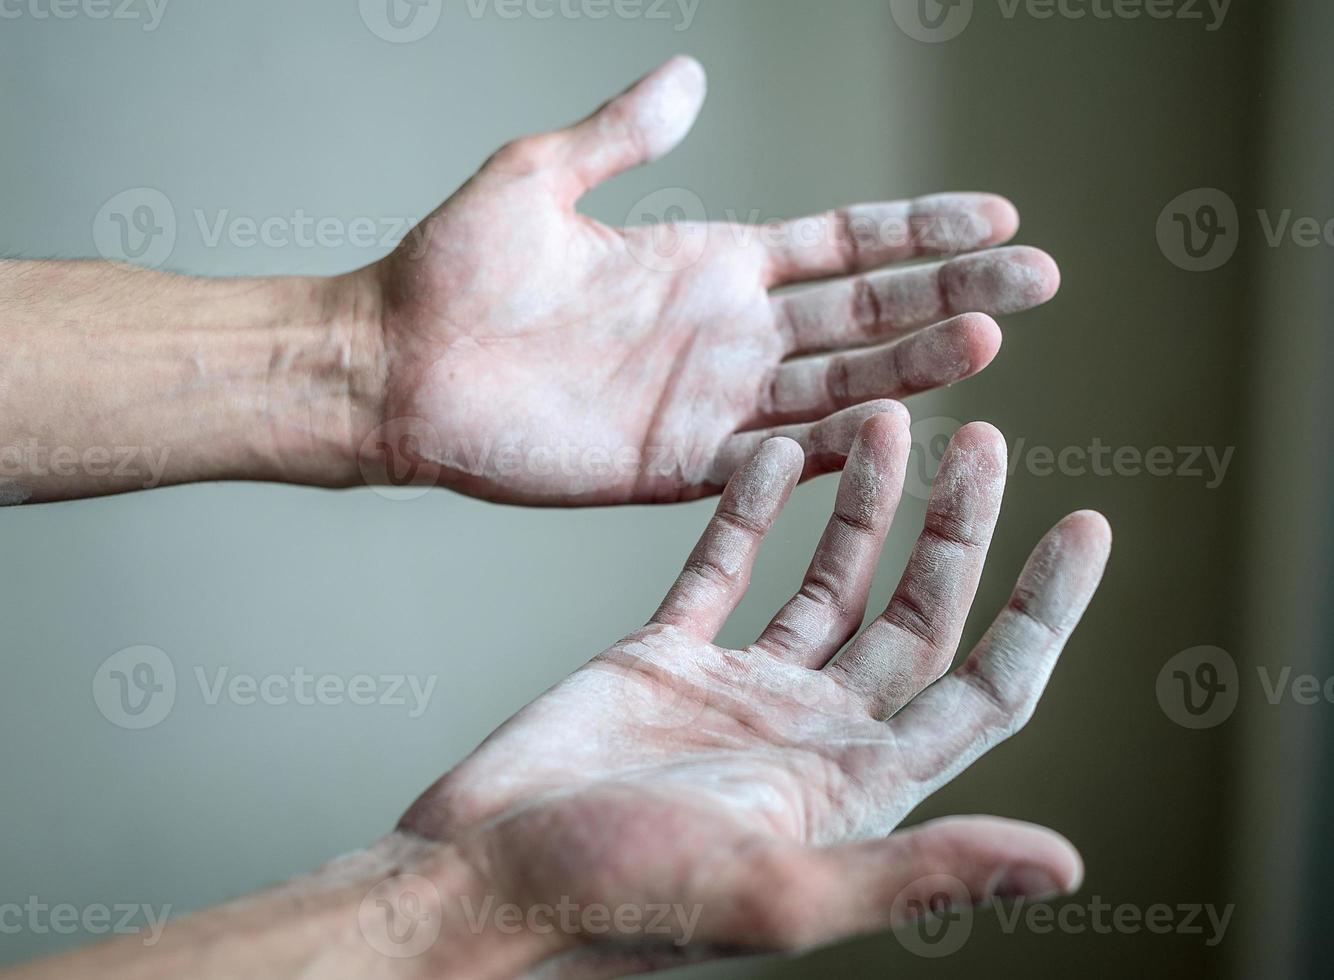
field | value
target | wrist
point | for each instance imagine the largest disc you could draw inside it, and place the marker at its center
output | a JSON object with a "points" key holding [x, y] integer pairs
{"points": [[430, 910], [329, 381], [403, 908]]}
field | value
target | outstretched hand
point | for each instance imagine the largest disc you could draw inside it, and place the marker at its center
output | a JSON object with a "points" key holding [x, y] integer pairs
{"points": [[537, 356], [762, 786]]}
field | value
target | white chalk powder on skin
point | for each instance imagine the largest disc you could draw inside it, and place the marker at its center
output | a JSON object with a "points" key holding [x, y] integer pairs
{"points": [[666, 108], [12, 493]]}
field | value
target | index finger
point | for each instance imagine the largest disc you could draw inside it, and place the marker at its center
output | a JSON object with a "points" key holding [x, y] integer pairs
{"points": [[865, 236]]}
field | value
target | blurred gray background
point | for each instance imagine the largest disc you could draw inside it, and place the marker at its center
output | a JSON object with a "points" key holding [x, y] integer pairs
{"points": [[1091, 125]]}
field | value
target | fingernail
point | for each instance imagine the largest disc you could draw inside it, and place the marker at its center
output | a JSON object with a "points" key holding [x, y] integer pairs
{"points": [[1026, 881]]}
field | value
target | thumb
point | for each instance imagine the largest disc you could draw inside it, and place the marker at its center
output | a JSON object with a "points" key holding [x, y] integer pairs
{"points": [[952, 864], [642, 124], [926, 873]]}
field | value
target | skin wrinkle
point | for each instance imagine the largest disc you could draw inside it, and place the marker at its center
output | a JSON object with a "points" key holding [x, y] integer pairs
{"points": [[732, 781], [605, 317], [761, 679], [931, 358], [996, 282], [892, 230], [669, 764], [912, 644]]}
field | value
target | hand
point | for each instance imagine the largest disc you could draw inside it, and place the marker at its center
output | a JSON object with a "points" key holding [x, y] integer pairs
{"points": [[537, 356], [757, 786]]}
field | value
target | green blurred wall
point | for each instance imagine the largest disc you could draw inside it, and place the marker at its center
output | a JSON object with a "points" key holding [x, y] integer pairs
{"points": [[1091, 126]]}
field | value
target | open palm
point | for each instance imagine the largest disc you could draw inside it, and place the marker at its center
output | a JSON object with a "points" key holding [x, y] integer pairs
{"points": [[538, 356], [761, 785]]}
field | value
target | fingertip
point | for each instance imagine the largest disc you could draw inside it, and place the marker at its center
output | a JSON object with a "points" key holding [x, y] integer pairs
{"points": [[763, 483], [890, 415], [690, 69], [670, 100], [784, 454], [981, 439], [1066, 567], [1089, 528], [998, 858], [884, 433], [967, 220], [1001, 214], [1005, 280], [1052, 852], [1037, 274], [1075, 879], [981, 340]]}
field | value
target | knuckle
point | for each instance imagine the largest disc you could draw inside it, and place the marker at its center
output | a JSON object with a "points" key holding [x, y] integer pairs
{"points": [[838, 381], [780, 906], [1009, 707], [712, 571], [524, 155], [866, 302], [907, 614]]}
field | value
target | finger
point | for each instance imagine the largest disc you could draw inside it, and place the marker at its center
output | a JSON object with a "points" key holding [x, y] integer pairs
{"points": [[813, 387], [610, 962], [954, 863], [864, 236], [718, 570], [640, 125], [994, 693], [828, 609], [826, 443], [886, 305], [791, 899], [913, 642]]}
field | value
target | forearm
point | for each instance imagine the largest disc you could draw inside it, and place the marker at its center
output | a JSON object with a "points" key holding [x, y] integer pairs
{"points": [[115, 379], [403, 908]]}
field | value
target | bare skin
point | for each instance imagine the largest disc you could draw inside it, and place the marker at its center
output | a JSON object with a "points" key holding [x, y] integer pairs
{"points": [[512, 348], [758, 790], [665, 345]]}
